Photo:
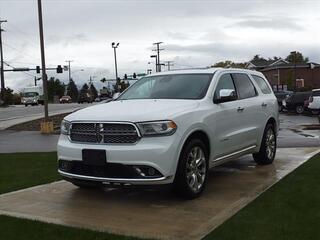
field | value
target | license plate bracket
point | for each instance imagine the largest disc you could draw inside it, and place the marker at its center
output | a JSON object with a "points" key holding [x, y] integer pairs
{"points": [[94, 157]]}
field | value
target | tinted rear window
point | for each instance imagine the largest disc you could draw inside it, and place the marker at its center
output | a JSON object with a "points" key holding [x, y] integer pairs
{"points": [[262, 84], [244, 86]]}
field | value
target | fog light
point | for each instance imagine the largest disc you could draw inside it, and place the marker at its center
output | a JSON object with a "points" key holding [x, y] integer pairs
{"points": [[138, 170]]}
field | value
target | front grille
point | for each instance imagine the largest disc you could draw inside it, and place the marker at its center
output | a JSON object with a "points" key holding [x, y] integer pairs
{"points": [[103, 133]]}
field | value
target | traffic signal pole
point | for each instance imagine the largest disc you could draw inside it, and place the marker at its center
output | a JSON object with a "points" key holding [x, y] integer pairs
{"points": [[43, 63]]}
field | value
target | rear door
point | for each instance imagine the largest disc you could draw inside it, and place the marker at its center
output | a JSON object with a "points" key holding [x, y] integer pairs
{"points": [[248, 118]]}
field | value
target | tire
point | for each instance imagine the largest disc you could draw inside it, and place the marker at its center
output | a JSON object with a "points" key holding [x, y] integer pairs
{"points": [[299, 109], [268, 147], [26, 105], [280, 108], [190, 179], [315, 112]]}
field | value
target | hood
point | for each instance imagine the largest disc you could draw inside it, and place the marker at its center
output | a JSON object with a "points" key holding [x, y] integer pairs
{"points": [[134, 110]]}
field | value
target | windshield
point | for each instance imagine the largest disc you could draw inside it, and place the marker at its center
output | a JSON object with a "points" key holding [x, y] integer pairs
{"points": [[175, 86], [30, 94]]}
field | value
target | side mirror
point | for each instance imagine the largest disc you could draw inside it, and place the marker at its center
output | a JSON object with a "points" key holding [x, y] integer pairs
{"points": [[115, 95], [225, 95]]}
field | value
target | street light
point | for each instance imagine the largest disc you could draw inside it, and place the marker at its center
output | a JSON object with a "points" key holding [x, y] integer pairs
{"points": [[115, 46]]}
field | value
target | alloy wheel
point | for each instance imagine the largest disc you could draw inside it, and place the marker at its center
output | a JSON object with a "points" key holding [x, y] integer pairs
{"points": [[270, 143], [196, 168]]}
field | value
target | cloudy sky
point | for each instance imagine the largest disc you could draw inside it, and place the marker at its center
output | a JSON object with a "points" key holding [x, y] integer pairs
{"points": [[195, 33]]}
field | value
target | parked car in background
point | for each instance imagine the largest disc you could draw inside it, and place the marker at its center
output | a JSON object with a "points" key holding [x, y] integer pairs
{"points": [[171, 128], [65, 99], [85, 98], [296, 101], [314, 101], [281, 95]]}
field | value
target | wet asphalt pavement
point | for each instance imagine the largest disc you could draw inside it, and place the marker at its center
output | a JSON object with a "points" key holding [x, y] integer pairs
{"points": [[292, 134]]}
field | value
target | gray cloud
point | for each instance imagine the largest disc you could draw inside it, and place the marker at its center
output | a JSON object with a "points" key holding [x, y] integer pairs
{"points": [[276, 23]]}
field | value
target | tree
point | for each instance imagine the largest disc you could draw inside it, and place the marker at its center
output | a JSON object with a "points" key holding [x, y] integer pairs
{"points": [[257, 58], [93, 91], [229, 64], [84, 89], [55, 88], [7, 96], [296, 57], [73, 91]]}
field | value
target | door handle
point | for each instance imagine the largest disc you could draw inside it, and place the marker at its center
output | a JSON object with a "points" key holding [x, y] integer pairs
{"points": [[264, 105], [240, 109]]}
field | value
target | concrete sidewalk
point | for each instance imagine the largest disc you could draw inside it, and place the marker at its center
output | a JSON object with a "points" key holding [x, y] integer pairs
{"points": [[155, 214]]}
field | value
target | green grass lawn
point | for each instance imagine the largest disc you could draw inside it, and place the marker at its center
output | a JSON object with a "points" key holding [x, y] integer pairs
{"points": [[20, 229], [22, 170], [289, 210]]}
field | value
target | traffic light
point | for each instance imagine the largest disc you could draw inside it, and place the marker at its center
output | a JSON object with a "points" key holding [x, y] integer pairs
{"points": [[38, 69], [134, 75], [125, 76], [59, 69]]}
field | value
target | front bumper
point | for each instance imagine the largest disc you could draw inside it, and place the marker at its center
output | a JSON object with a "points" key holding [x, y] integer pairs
{"points": [[160, 153]]}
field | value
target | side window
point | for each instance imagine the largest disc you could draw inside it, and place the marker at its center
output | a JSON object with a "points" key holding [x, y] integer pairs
{"points": [[225, 82], [316, 93], [244, 85], [262, 84]]}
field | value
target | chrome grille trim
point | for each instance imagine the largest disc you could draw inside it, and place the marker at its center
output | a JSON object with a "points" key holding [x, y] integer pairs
{"points": [[104, 132]]}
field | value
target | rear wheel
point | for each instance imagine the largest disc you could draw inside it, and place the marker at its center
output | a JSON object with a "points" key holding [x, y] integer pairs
{"points": [[192, 171], [299, 109], [268, 147]]}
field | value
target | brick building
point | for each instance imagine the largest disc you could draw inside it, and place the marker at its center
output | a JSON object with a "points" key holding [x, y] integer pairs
{"points": [[284, 75]]}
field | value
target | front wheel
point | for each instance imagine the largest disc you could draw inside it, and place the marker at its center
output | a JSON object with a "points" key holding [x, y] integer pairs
{"points": [[315, 112], [268, 146], [192, 171], [299, 109]]}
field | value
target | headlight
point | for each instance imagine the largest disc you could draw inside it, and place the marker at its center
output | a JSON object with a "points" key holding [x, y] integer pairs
{"points": [[159, 128], [65, 127]]}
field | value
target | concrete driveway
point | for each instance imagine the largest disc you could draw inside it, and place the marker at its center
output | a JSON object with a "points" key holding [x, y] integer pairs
{"points": [[155, 213]]}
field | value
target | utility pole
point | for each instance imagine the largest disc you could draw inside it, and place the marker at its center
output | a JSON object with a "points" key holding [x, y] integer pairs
{"points": [[169, 64], [156, 57], [158, 67], [1, 64], [43, 63], [69, 66]]}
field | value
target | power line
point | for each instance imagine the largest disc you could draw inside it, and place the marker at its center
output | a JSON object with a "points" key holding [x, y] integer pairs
{"points": [[14, 48]]}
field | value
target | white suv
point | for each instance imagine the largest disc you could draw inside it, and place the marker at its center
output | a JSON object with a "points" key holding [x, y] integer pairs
{"points": [[170, 128], [314, 101]]}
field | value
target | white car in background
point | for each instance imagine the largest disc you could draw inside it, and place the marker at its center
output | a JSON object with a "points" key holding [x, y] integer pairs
{"points": [[170, 128], [314, 101]]}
